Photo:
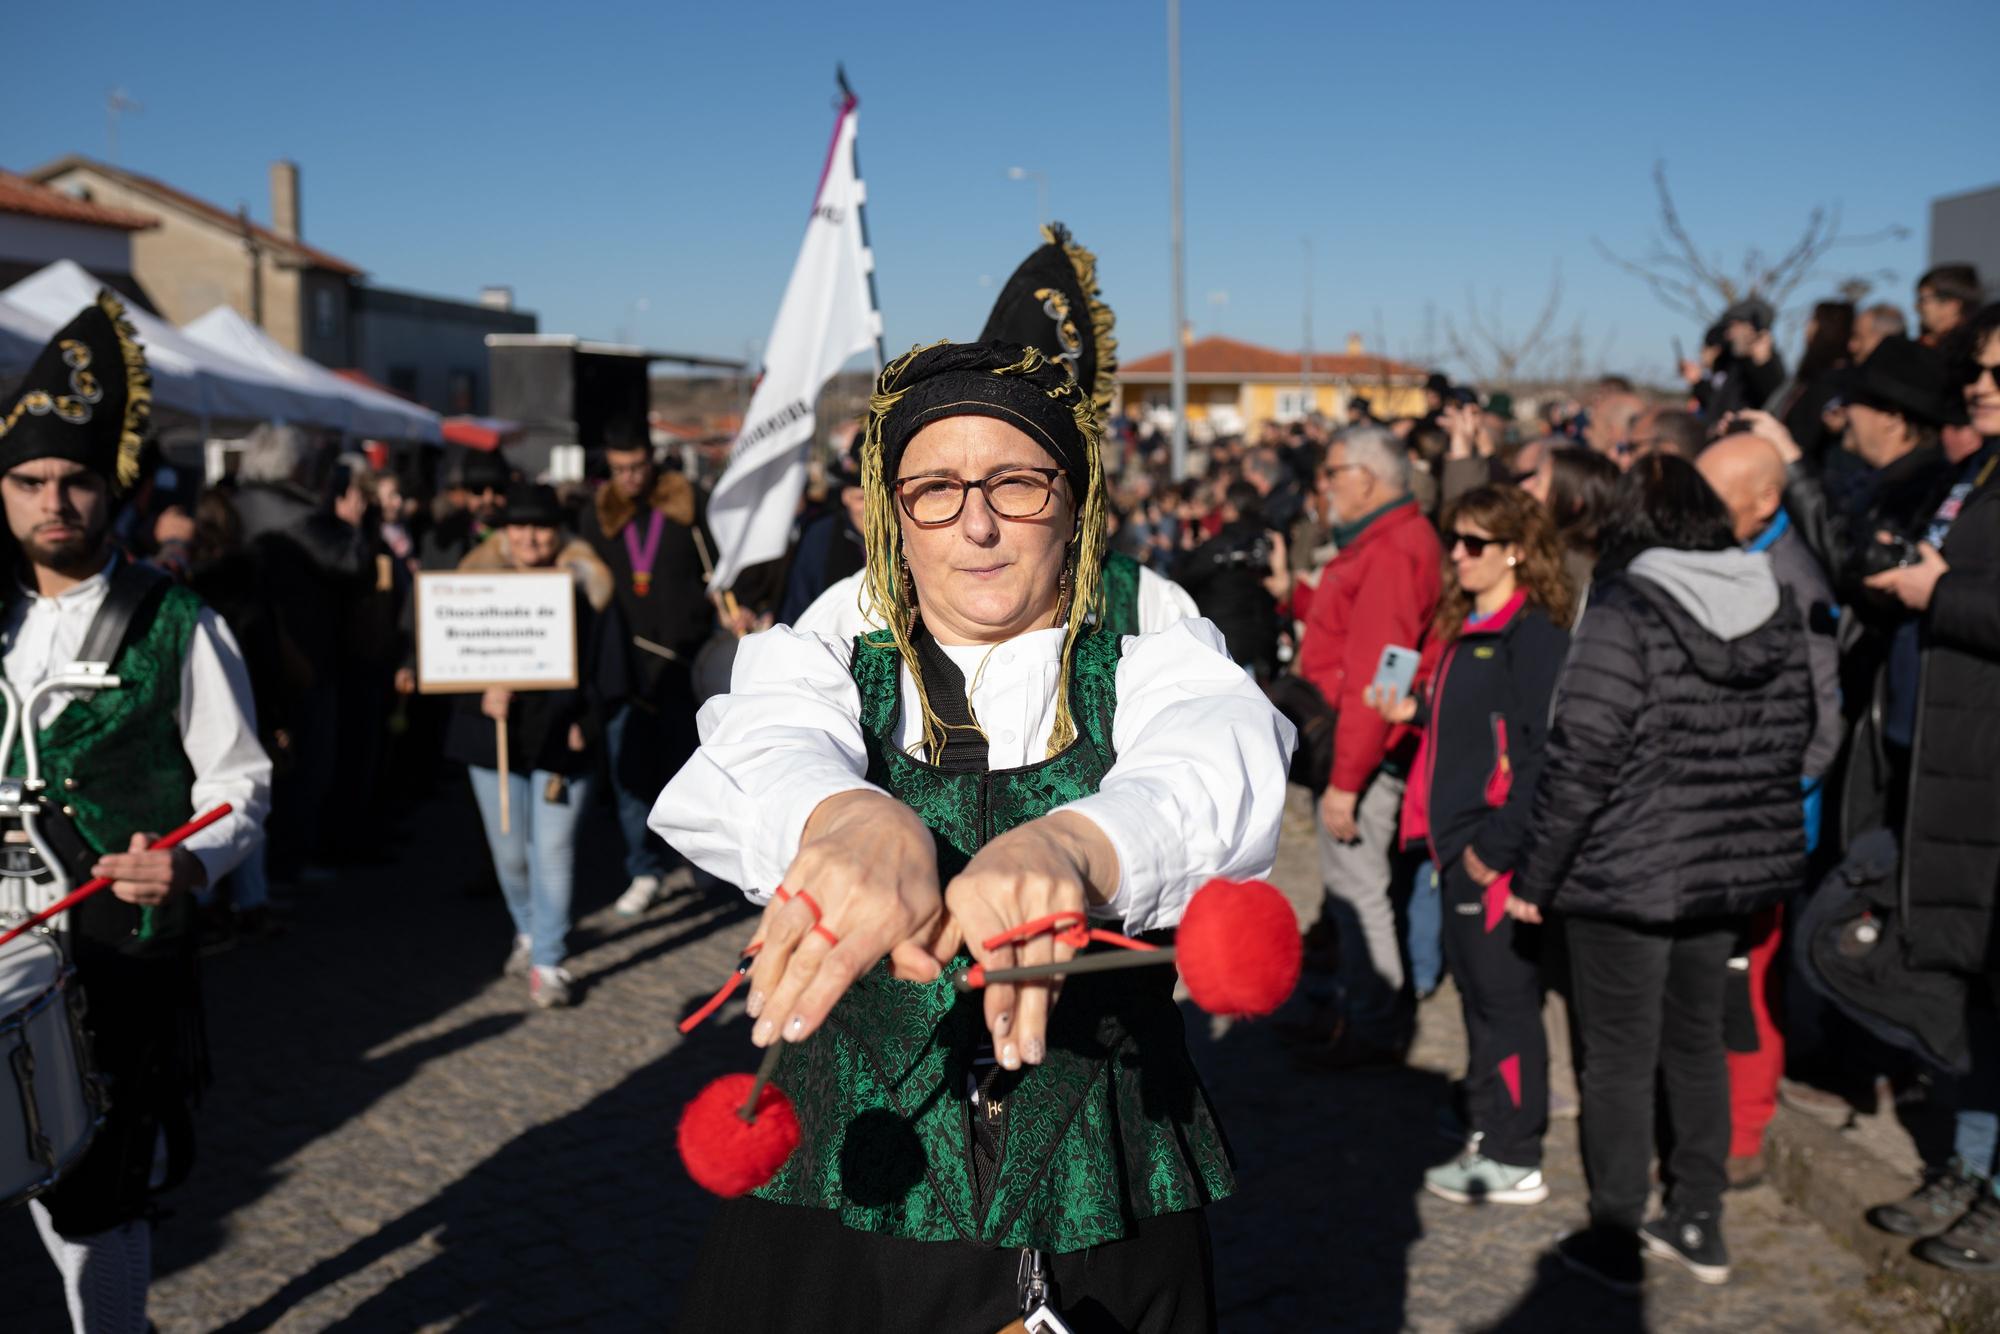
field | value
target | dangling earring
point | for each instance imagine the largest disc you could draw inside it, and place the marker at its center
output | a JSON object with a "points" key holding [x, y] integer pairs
{"points": [[909, 584], [1062, 597]]}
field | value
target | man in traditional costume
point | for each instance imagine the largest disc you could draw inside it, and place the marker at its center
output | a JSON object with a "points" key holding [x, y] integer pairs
{"points": [[644, 526], [992, 755], [1052, 303], [176, 736]]}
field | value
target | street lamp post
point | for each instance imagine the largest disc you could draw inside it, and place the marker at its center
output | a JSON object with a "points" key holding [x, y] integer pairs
{"points": [[1041, 180], [1180, 436]]}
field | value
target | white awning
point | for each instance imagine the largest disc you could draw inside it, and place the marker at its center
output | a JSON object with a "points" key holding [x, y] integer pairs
{"points": [[188, 377], [371, 412]]}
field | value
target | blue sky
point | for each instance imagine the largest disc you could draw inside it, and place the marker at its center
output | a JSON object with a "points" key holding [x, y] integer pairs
{"points": [[644, 170]]}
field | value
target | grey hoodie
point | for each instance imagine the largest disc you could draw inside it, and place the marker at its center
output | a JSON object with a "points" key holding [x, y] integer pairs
{"points": [[1728, 593]]}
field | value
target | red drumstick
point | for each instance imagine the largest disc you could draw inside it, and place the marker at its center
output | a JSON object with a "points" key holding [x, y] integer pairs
{"points": [[89, 887]]}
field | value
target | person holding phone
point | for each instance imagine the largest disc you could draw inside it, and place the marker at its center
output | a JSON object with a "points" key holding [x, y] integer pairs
{"points": [[1497, 648]]}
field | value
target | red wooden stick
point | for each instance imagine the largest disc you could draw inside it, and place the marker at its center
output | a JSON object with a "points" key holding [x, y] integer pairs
{"points": [[89, 887]]}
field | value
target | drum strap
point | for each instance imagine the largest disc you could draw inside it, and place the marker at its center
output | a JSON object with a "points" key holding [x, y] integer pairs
{"points": [[135, 588]]}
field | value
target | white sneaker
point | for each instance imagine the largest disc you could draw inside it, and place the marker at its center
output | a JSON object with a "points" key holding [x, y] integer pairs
{"points": [[1473, 1178], [518, 958], [638, 895], [549, 987]]}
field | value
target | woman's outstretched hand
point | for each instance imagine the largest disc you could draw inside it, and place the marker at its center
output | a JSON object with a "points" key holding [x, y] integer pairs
{"points": [[1057, 864], [870, 865]]}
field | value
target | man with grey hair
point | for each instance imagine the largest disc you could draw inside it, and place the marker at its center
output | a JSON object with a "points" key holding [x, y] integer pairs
{"points": [[1871, 326], [1381, 588]]}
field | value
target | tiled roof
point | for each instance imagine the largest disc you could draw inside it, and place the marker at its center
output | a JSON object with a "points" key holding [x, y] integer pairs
{"points": [[18, 194], [220, 216], [1216, 355]]}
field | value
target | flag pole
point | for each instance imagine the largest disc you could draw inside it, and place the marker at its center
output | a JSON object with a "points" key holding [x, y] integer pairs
{"points": [[848, 103]]}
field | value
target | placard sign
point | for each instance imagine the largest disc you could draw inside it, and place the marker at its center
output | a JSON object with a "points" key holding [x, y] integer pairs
{"points": [[510, 629]]}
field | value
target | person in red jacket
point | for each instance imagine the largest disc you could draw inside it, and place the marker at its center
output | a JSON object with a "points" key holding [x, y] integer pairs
{"points": [[1381, 588]]}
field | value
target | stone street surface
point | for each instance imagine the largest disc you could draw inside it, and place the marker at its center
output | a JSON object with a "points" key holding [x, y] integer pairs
{"points": [[394, 1142]]}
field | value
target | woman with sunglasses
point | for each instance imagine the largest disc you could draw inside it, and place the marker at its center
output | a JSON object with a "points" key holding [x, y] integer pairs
{"points": [[1950, 836], [902, 801], [1496, 650]]}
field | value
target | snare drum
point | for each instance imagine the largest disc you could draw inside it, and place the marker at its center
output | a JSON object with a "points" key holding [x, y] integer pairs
{"points": [[50, 1105]]}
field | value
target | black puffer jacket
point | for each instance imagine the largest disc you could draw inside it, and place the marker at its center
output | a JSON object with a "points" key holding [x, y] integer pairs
{"points": [[1671, 785], [1951, 839]]}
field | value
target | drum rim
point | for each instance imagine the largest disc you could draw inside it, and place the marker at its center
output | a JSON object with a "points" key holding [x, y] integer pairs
{"points": [[26, 1014], [57, 1172]]}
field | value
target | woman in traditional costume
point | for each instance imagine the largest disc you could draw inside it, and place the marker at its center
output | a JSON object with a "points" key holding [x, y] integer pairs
{"points": [[900, 802]]}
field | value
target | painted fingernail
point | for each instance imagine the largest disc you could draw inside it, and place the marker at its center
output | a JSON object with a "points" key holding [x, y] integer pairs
{"points": [[755, 1005], [1009, 1057], [761, 1035], [795, 1028], [1033, 1048]]}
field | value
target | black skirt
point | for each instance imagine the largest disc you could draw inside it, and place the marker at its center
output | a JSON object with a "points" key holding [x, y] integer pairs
{"points": [[770, 1268]]}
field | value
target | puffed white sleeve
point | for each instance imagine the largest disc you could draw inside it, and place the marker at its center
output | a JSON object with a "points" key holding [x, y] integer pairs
{"points": [[1198, 788], [785, 738], [1162, 602]]}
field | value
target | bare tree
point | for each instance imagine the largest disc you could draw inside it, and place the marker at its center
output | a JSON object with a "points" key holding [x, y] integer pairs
{"points": [[1701, 287], [1497, 356]]}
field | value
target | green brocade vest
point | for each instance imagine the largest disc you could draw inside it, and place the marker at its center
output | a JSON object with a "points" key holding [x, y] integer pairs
{"points": [[1112, 1126], [114, 759], [1118, 595]]}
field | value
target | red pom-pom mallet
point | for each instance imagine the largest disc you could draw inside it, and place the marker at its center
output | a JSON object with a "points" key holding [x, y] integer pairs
{"points": [[737, 1132], [1238, 951]]}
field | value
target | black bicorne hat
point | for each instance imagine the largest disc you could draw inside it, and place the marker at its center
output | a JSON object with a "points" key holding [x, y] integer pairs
{"points": [[1052, 303], [86, 398]]}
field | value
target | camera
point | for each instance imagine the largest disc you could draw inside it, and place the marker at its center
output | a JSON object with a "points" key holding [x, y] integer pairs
{"points": [[1889, 554]]}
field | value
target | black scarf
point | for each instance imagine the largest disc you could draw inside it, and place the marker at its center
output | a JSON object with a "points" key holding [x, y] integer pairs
{"points": [[965, 749]]}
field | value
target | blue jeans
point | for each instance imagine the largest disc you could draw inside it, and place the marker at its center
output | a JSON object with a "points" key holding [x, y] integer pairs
{"points": [[535, 859], [644, 853], [1425, 926], [1976, 1120]]}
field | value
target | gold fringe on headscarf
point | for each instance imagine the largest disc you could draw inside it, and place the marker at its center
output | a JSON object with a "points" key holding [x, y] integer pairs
{"points": [[138, 391], [883, 533], [1105, 385]]}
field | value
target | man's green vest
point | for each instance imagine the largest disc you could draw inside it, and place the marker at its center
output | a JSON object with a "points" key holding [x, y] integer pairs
{"points": [[1113, 1126], [114, 760]]}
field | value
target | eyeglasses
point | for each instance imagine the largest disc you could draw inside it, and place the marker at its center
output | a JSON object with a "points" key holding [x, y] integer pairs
{"points": [[1475, 546], [1973, 371], [1015, 493], [1335, 469]]}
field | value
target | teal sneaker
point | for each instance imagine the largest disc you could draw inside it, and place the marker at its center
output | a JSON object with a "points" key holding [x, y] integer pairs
{"points": [[1473, 1178]]}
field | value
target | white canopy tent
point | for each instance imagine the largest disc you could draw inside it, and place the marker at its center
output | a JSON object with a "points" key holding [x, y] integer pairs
{"points": [[371, 412], [191, 378], [21, 338]]}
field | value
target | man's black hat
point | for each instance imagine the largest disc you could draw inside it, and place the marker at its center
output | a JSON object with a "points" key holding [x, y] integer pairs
{"points": [[482, 471], [1907, 378], [1052, 303], [85, 399]]}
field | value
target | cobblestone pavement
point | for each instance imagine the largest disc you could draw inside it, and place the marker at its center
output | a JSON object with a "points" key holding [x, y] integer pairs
{"points": [[395, 1142]]}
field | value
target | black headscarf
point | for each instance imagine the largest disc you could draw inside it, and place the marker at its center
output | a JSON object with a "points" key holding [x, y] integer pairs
{"points": [[1005, 381]]}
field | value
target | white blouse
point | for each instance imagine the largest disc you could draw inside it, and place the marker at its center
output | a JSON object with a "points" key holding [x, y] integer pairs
{"points": [[1197, 789], [838, 613]]}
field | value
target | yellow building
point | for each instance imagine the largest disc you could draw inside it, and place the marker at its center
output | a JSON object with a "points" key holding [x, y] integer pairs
{"points": [[1234, 386]]}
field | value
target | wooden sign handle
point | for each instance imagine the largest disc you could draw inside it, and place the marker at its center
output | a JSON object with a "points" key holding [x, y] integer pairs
{"points": [[500, 744]]}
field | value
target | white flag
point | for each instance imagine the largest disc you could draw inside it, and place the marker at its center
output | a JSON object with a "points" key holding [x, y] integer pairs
{"points": [[827, 316]]}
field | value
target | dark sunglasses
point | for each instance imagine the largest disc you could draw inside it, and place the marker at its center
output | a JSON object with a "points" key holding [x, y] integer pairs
{"points": [[1475, 547], [1970, 373]]}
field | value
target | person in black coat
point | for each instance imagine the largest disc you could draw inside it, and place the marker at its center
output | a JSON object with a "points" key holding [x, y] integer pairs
{"points": [[645, 526], [1230, 575], [1951, 829], [552, 740], [1496, 650], [1668, 812]]}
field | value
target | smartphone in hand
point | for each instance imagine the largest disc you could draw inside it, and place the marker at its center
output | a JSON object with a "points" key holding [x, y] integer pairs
{"points": [[1397, 671]]}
